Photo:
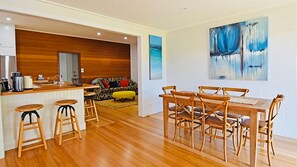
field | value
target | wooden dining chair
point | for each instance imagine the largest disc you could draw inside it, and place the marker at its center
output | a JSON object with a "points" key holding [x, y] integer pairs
{"points": [[265, 127], [235, 91], [241, 92], [186, 115], [209, 90], [171, 109], [214, 103]]}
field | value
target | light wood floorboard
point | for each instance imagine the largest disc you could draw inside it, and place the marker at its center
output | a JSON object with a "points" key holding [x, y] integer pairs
{"points": [[121, 138]]}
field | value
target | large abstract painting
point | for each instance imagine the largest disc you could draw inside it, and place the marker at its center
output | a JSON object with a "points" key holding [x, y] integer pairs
{"points": [[155, 57], [240, 51]]}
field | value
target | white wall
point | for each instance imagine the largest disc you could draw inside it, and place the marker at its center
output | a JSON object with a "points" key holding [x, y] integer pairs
{"points": [[134, 62], [147, 89], [1, 132], [188, 61]]}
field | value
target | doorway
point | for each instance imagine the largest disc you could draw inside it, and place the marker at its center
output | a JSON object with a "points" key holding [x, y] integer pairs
{"points": [[69, 66]]}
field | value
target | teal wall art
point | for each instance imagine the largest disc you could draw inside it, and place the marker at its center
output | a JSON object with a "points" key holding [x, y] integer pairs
{"points": [[155, 43]]}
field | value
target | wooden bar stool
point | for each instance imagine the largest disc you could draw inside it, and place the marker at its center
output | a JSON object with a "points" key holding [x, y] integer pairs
{"points": [[29, 110], [65, 106], [90, 107]]}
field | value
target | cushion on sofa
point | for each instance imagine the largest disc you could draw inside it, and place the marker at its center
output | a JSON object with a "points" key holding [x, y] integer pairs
{"points": [[113, 84], [104, 93], [124, 83], [98, 82], [106, 85]]}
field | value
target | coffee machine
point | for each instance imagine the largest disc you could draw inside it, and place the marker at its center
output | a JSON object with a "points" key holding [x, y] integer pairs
{"points": [[17, 82], [5, 85]]}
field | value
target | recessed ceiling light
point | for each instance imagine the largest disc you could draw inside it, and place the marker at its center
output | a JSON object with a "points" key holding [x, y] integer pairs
{"points": [[8, 18], [125, 38], [98, 33]]}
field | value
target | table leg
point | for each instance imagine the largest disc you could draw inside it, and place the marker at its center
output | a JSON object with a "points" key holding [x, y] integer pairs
{"points": [[253, 138], [165, 116]]}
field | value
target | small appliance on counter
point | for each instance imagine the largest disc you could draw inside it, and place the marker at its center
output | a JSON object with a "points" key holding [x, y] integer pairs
{"points": [[28, 83], [17, 82], [5, 85]]}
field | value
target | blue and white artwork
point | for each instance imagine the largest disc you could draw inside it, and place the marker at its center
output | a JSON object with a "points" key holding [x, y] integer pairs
{"points": [[240, 51], [155, 57]]}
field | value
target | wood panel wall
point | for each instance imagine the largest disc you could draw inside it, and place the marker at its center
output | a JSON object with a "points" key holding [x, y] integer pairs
{"points": [[37, 53]]}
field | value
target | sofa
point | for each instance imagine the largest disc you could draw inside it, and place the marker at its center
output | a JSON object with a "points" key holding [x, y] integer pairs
{"points": [[109, 85]]}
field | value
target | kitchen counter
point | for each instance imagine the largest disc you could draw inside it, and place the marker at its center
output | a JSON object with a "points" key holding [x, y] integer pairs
{"points": [[41, 88], [46, 94]]}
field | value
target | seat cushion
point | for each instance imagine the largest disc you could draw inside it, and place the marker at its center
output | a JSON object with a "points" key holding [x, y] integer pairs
{"points": [[200, 110], [187, 116], [230, 115], [124, 83], [216, 122], [106, 85], [246, 123], [113, 84]]}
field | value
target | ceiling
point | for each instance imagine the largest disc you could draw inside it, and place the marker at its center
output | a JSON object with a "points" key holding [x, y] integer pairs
{"points": [[33, 23], [169, 15], [165, 15]]}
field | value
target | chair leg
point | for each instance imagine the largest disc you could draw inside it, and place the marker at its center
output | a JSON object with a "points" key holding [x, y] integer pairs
{"points": [[245, 138], [86, 110], [20, 138], [95, 110], [240, 141], [72, 119], [203, 136], [175, 128], [268, 152], [210, 137], [192, 134], [77, 125], [268, 147], [56, 124], [61, 129], [272, 147], [237, 130], [41, 133], [225, 146], [233, 139]]}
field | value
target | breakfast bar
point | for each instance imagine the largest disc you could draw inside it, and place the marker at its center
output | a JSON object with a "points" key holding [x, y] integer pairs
{"points": [[45, 94]]}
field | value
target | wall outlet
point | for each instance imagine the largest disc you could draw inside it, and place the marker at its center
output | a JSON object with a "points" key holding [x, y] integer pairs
{"points": [[82, 70]]}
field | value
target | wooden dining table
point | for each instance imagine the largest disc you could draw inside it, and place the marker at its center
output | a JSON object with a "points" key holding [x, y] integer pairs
{"points": [[261, 107]]}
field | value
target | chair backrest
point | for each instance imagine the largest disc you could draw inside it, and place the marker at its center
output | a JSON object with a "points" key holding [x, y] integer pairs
{"points": [[274, 109], [184, 101], [235, 91], [209, 89], [168, 89], [214, 103]]}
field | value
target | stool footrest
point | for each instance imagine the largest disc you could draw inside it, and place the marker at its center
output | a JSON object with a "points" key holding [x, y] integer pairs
{"points": [[90, 119], [70, 138], [32, 147], [33, 123], [26, 141], [68, 123], [33, 127]]}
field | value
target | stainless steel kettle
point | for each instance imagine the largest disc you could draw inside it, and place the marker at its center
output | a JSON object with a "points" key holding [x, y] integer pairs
{"points": [[17, 82]]}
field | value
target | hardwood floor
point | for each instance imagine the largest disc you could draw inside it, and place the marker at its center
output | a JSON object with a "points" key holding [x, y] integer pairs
{"points": [[121, 138]]}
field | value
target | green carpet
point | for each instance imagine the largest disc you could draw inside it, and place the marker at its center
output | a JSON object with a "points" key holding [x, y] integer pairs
{"points": [[117, 104]]}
